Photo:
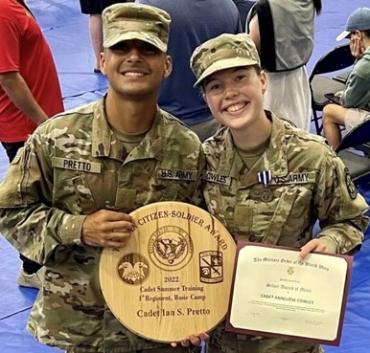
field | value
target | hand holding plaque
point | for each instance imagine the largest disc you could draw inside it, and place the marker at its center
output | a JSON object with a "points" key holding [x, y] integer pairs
{"points": [[173, 277]]}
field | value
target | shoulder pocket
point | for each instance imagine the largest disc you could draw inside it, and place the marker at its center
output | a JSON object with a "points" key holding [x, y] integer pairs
{"points": [[16, 184]]}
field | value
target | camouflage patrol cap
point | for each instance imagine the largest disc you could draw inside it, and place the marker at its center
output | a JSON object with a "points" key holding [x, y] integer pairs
{"points": [[223, 52], [134, 21]]}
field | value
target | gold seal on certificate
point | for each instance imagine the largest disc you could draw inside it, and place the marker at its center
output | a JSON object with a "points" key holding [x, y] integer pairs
{"points": [[276, 294], [173, 277]]}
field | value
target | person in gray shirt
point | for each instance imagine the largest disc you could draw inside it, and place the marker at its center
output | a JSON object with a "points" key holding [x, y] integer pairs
{"points": [[354, 105]]}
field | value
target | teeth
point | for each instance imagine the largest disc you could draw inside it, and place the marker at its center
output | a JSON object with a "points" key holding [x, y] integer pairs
{"points": [[134, 74], [235, 107]]}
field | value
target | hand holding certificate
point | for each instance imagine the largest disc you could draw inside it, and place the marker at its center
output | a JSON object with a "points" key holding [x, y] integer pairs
{"points": [[276, 294]]}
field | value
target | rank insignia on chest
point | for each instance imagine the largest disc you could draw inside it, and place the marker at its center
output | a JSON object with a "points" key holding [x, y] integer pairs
{"points": [[264, 177]]}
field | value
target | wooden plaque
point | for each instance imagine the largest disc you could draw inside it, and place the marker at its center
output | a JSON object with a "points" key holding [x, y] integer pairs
{"points": [[173, 278]]}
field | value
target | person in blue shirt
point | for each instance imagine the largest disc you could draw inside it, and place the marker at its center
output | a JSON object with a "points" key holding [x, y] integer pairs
{"points": [[193, 22]]}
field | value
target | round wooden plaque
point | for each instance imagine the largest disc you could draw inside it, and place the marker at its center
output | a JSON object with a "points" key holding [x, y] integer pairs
{"points": [[173, 278]]}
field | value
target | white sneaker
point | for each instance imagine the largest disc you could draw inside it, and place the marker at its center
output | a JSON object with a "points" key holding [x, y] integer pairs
{"points": [[31, 280]]}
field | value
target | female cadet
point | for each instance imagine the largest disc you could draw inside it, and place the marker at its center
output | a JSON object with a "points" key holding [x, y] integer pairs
{"points": [[266, 180]]}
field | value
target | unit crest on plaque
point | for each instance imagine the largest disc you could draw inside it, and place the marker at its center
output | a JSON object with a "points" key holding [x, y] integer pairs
{"points": [[170, 248], [133, 268], [211, 266]]}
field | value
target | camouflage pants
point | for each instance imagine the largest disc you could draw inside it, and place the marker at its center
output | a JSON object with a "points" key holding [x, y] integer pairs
{"points": [[159, 350], [250, 349], [231, 344]]}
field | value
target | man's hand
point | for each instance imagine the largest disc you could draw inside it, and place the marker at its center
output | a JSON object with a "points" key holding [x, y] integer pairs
{"points": [[106, 228], [195, 340], [318, 245], [356, 45]]}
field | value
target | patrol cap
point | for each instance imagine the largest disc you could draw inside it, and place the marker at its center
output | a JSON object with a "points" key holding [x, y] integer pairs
{"points": [[135, 21], [223, 52], [359, 20]]}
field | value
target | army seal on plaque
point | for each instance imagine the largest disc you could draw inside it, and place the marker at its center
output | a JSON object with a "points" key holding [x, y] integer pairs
{"points": [[173, 277]]}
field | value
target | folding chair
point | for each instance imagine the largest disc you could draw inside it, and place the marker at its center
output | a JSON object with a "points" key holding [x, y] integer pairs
{"points": [[354, 150], [335, 60]]}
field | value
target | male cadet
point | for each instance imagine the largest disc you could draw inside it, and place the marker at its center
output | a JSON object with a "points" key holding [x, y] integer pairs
{"points": [[69, 193], [267, 181]]}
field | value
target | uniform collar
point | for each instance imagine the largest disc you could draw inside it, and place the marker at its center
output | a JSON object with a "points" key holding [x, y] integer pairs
{"points": [[274, 159], [106, 144]]}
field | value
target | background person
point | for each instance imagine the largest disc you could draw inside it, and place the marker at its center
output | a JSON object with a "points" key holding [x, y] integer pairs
{"points": [[80, 175], [283, 31], [94, 8], [193, 22], [355, 99], [277, 179], [244, 7], [29, 91]]}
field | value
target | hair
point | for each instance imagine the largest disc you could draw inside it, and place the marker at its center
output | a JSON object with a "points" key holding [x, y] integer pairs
{"points": [[255, 67], [367, 33], [318, 6]]}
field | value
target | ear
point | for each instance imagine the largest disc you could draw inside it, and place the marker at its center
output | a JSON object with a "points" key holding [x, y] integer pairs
{"points": [[264, 80], [361, 35], [167, 66], [102, 63], [204, 96]]}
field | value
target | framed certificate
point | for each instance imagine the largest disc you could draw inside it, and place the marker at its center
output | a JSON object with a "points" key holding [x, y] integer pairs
{"points": [[173, 277], [276, 294]]}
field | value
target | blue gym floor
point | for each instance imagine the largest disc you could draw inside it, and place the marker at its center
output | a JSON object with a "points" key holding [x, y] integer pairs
{"points": [[66, 30]]}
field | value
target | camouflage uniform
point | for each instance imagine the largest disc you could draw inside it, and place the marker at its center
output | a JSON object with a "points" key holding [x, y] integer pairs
{"points": [[72, 166], [308, 182], [297, 180]]}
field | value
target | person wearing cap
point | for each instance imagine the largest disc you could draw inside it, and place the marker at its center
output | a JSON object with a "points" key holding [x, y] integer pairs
{"points": [[265, 180], [354, 106], [69, 193]]}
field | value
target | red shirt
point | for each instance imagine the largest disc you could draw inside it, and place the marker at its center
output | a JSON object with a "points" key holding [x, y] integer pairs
{"points": [[25, 50]]}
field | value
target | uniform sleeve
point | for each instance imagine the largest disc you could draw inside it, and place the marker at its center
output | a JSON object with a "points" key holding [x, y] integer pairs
{"points": [[27, 219], [197, 198], [356, 93], [10, 35], [341, 210]]}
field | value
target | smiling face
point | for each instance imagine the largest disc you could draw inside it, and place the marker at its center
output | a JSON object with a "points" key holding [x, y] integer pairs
{"points": [[235, 96], [135, 68]]}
